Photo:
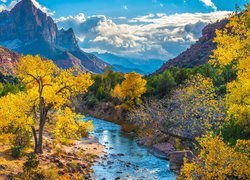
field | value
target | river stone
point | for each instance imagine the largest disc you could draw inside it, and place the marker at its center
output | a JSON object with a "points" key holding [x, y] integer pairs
{"points": [[120, 154], [162, 150], [176, 159]]}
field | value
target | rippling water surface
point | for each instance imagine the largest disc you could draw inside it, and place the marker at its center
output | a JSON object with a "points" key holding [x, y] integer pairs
{"points": [[125, 159]]}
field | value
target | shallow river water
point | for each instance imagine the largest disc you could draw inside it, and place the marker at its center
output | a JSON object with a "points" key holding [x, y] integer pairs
{"points": [[124, 158]]}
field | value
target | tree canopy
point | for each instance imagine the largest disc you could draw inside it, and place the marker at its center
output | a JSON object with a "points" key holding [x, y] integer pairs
{"points": [[49, 91]]}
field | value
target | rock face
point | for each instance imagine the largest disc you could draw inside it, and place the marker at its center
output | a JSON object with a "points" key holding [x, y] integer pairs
{"points": [[162, 150], [176, 159], [199, 52], [7, 60], [28, 30]]}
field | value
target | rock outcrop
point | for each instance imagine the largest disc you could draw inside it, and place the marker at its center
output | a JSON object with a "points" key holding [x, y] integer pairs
{"points": [[27, 30], [199, 52], [7, 60], [176, 159], [162, 150]]}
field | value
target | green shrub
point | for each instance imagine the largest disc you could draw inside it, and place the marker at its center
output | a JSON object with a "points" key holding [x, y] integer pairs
{"points": [[22, 137], [31, 162], [17, 151]]}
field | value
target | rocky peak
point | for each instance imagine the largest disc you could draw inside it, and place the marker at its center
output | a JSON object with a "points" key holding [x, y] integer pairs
{"points": [[199, 52], [32, 23], [28, 30], [27, 23], [67, 40]]}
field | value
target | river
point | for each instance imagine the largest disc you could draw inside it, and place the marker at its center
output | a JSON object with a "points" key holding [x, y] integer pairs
{"points": [[124, 158]]}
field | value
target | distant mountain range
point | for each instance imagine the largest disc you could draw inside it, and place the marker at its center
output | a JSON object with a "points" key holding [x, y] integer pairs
{"points": [[199, 52], [123, 64], [27, 30]]}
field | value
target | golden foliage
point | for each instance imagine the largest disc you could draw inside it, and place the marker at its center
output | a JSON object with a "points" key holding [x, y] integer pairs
{"points": [[132, 87], [217, 160], [233, 46], [44, 79], [14, 116], [194, 107], [48, 91], [69, 126]]}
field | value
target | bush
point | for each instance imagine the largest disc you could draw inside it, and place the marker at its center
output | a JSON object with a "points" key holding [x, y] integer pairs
{"points": [[22, 137], [51, 173], [17, 151], [231, 132], [31, 162]]}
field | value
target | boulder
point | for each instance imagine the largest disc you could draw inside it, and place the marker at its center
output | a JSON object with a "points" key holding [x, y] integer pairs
{"points": [[176, 159], [162, 150]]}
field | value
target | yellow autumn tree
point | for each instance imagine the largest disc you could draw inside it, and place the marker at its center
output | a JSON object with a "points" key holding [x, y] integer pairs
{"points": [[131, 88], [217, 160], [48, 90], [15, 119], [69, 126], [233, 47]]}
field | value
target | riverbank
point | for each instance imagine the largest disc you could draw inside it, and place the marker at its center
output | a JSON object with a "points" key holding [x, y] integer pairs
{"points": [[61, 161]]}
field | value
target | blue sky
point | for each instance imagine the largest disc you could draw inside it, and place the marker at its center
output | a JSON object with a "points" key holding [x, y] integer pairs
{"points": [[144, 29], [132, 8]]}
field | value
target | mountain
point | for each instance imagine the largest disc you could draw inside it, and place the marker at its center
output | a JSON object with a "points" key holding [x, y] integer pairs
{"points": [[122, 69], [7, 60], [199, 52], [28, 30], [124, 64]]}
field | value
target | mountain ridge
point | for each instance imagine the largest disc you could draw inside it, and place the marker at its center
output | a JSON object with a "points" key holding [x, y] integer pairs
{"points": [[198, 53], [131, 64], [27, 30]]}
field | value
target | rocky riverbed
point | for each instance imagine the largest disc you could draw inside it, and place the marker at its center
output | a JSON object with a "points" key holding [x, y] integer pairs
{"points": [[124, 158]]}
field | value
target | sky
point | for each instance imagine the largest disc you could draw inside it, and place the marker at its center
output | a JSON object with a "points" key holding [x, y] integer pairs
{"points": [[143, 29]]}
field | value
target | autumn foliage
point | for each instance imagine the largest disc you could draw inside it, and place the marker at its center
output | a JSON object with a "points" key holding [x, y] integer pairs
{"points": [[49, 91], [131, 89], [217, 160], [233, 48]]}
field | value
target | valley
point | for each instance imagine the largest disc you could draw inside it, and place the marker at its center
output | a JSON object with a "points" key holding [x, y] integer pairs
{"points": [[159, 96]]}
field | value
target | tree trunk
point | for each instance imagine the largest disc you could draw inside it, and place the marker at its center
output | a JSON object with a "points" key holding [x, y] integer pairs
{"points": [[39, 146], [35, 138]]}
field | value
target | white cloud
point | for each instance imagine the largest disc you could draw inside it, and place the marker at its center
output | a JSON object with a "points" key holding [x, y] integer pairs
{"points": [[2, 8], [158, 36], [125, 7], [4, 1], [209, 3]]}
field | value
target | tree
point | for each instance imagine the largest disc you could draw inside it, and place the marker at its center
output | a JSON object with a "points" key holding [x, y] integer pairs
{"points": [[160, 84], [49, 89], [217, 160], [15, 119], [131, 88], [233, 49], [192, 109], [70, 126]]}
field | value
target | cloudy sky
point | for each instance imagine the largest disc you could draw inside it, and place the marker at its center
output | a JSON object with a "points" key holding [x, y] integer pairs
{"points": [[145, 29]]}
